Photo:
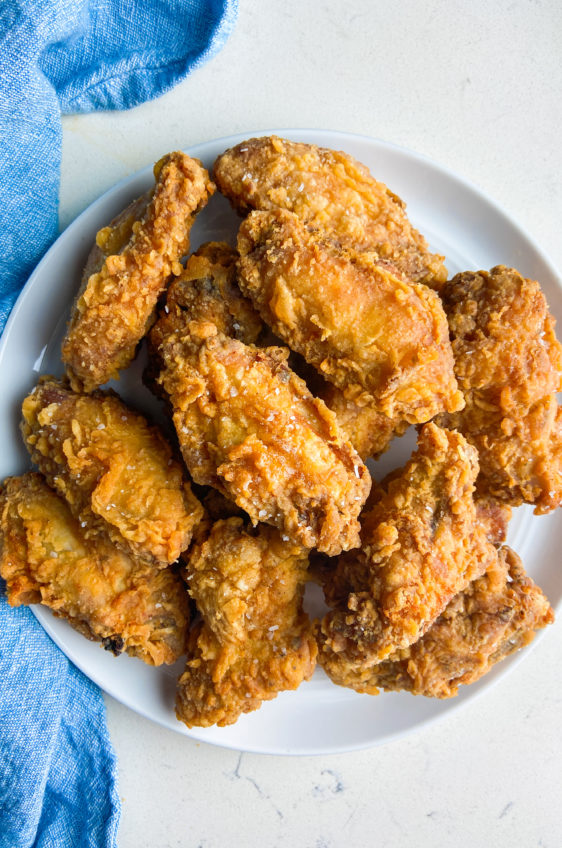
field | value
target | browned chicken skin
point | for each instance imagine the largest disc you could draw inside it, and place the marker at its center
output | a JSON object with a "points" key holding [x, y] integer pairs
{"points": [[133, 262], [247, 425], [369, 430], [366, 330], [254, 639], [496, 615], [102, 592], [331, 191], [117, 473], [423, 541], [508, 363]]}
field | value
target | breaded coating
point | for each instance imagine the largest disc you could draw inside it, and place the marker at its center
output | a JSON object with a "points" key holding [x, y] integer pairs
{"points": [[248, 426], [495, 616], [208, 289], [208, 284], [369, 430], [103, 593], [131, 266], [508, 363], [253, 640], [423, 541], [331, 191], [365, 329], [116, 471]]}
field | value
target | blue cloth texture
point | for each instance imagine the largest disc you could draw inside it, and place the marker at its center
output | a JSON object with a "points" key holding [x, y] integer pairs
{"points": [[57, 767], [58, 784]]}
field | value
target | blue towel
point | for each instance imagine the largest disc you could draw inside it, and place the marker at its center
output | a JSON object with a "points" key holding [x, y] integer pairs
{"points": [[57, 767]]}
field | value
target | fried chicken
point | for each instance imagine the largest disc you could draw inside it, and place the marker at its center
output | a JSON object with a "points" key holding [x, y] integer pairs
{"points": [[423, 541], [253, 640], [207, 288], [331, 191], [495, 616], [117, 473], [247, 425], [103, 593], [369, 430], [130, 267], [508, 363], [366, 330]]}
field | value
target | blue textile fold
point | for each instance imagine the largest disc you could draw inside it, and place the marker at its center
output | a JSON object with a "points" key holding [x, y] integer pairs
{"points": [[58, 783]]}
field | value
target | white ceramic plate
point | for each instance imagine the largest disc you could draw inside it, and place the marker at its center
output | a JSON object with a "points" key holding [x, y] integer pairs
{"points": [[458, 221]]}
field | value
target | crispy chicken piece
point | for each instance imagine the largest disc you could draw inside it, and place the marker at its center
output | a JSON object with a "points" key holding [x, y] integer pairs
{"points": [[130, 267], [105, 594], [117, 473], [369, 431], [253, 640], [365, 329], [423, 541], [508, 363], [208, 285], [248, 426], [332, 192], [495, 616], [211, 270]]}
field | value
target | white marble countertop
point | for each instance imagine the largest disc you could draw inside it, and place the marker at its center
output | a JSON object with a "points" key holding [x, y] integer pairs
{"points": [[475, 86]]}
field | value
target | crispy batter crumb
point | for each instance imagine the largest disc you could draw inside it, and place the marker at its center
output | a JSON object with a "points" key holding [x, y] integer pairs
{"points": [[45, 557], [115, 306], [253, 640], [333, 192]]}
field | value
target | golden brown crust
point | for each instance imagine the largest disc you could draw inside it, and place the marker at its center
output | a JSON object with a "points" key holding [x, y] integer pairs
{"points": [[103, 593], [365, 329], [115, 306], [369, 430], [207, 290], [117, 473], [331, 191], [423, 541], [361, 422], [254, 640], [248, 426], [495, 616], [508, 363]]}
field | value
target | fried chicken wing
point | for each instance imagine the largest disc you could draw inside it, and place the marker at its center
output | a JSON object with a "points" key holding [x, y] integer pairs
{"points": [[130, 267], [331, 191], [208, 290], [253, 640], [365, 329], [117, 473], [362, 424], [508, 363], [105, 594], [369, 430], [495, 616], [248, 426], [423, 541]]}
